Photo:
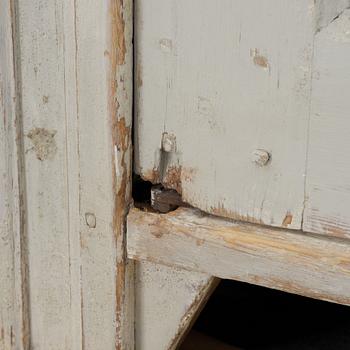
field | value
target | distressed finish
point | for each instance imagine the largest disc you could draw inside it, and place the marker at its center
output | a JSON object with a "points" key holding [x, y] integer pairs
{"points": [[65, 157], [328, 172], [167, 301], [14, 317], [258, 108], [294, 262], [226, 84]]}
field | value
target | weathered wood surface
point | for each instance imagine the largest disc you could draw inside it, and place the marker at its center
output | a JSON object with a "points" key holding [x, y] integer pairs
{"points": [[226, 84], [14, 318], [328, 170], [254, 97], [74, 102], [304, 264], [167, 301]]}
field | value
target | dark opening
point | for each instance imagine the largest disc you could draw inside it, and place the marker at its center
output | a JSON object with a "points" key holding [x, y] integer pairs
{"points": [[141, 191], [244, 316]]}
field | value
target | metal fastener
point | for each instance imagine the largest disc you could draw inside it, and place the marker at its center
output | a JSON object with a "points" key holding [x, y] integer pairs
{"points": [[260, 157]]}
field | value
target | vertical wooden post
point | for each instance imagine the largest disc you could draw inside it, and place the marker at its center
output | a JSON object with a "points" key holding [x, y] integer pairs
{"points": [[66, 159]]}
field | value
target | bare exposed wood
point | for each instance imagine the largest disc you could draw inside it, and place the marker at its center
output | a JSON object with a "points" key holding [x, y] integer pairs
{"points": [[167, 302], [280, 259]]}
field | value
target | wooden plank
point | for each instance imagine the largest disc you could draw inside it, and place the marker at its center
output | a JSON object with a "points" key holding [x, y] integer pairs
{"points": [[104, 113], [167, 302], [224, 85], [14, 318], [54, 318], [76, 87], [276, 258], [328, 176]]}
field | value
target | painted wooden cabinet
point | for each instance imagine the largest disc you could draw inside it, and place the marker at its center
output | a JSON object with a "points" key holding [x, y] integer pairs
{"points": [[242, 107]]}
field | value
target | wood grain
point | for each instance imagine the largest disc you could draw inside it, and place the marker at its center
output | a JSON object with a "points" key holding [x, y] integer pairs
{"points": [[76, 88], [276, 258], [328, 176], [226, 79]]}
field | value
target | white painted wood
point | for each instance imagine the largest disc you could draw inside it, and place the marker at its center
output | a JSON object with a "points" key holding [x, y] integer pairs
{"points": [[327, 11], [167, 300], [14, 323], [76, 68], [226, 78], [294, 262], [104, 117], [328, 175], [51, 233]]}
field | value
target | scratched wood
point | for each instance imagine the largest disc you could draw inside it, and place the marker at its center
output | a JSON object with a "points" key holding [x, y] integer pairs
{"points": [[14, 320], [167, 300], [294, 262], [328, 175], [226, 79], [76, 88]]}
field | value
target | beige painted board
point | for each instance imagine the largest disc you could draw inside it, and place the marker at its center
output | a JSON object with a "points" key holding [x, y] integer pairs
{"points": [[295, 262], [76, 67], [14, 325], [227, 78], [328, 171], [104, 105], [54, 300], [167, 301]]}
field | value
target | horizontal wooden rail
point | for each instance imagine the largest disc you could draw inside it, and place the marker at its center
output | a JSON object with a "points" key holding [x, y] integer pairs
{"points": [[294, 262]]}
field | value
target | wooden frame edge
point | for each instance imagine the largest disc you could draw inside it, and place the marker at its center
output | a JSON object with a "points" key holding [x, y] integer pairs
{"points": [[281, 259]]}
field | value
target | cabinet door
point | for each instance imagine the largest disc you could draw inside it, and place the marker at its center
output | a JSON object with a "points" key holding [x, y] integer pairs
{"points": [[226, 112]]}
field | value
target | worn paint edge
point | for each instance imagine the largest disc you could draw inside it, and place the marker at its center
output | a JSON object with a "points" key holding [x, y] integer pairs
{"points": [[120, 74], [304, 264], [193, 312], [18, 146]]}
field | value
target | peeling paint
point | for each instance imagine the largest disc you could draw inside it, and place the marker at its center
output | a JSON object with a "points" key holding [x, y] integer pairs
{"points": [[120, 32], [287, 220], [44, 144], [172, 178]]}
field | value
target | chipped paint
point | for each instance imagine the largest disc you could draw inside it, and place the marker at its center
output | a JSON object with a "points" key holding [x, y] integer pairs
{"points": [[44, 143], [287, 220], [259, 60], [121, 138], [172, 178], [220, 210], [166, 45], [151, 175]]}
